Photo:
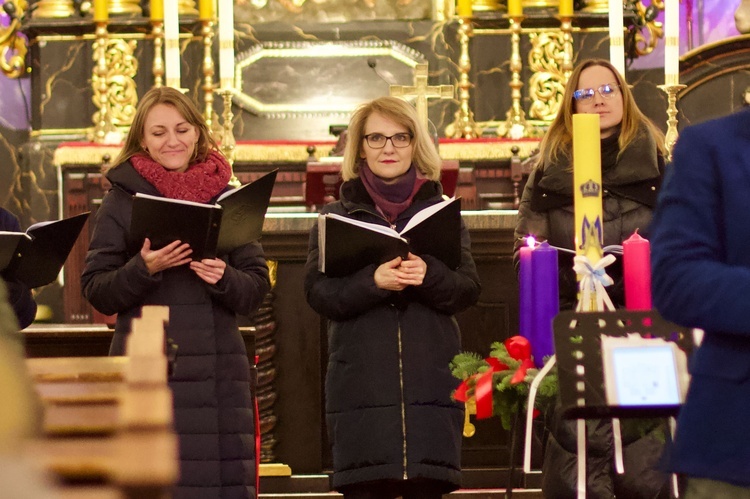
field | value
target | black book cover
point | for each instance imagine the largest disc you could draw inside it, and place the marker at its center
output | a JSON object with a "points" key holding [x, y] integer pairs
{"points": [[40, 254], [210, 229], [348, 245]]}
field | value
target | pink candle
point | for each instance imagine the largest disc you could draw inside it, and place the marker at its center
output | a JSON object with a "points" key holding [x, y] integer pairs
{"points": [[636, 269], [524, 290], [546, 300]]}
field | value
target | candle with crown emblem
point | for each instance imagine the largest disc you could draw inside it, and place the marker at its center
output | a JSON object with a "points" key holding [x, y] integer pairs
{"points": [[587, 186]]}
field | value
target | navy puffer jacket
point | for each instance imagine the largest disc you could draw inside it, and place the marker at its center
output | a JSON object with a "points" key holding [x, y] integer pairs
{"points": [[388, 407], [210, 383]]}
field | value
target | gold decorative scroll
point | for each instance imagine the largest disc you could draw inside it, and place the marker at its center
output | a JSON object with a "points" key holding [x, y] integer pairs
{"points": [[547, 82], [12, 46], [654, 30], [122, 67]]}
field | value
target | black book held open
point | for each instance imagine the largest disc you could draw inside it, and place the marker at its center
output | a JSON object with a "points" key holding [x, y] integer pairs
{"points": [[347, 245], [210, 229], [37, 256]]}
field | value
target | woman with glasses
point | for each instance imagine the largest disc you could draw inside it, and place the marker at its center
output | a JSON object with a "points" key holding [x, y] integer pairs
{"points": [[394, 429], [632, 156]]}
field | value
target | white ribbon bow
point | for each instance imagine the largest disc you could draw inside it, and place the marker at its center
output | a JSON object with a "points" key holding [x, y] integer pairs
{"points": [[593, 279]]}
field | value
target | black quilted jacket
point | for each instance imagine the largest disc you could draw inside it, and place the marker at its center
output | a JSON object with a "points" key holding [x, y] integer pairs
{"points": [[210, 381], [388, 384]]}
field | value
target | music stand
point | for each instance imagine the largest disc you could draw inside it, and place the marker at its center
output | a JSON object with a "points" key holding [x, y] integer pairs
{"points": [[579, 359]]}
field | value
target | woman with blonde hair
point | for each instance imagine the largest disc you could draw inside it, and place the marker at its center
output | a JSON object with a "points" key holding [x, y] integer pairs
{"points": [[394, 429]]}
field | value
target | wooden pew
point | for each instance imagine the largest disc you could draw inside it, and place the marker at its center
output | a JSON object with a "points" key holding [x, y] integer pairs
{"points": [[107, 425]]}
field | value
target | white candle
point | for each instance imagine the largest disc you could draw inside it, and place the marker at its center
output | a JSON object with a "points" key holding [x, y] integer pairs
{"points": [[672, 42], [171, 43], [226, 43], [616, 38]]}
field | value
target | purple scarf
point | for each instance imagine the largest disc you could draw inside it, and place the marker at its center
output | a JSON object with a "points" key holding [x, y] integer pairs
{"points": [[391, 199]]}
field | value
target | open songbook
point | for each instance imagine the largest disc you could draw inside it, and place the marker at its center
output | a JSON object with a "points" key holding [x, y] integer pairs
{"points": [[210, 229], [37, 256], [347, 245]]}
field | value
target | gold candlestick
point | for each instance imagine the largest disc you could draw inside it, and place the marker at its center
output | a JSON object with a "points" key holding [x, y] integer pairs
{"points": [[102, 118], [228, 143], [566, 26], [515, 123], [671, 136], [157, 68], [207, 31], [464, 125]]}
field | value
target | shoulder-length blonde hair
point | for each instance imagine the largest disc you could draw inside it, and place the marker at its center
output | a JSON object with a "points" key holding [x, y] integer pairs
{"points": [[424, 154], [184, 106], [559, 138]]}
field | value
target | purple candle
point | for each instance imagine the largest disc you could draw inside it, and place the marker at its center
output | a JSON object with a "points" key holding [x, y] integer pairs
{"points": [[524, 290], [546, 301]]}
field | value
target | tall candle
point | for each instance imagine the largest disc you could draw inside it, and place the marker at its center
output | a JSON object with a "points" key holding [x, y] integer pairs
{"points": [[616, 38], [101, 14], [205, 9], [566, 8], [464, 8], [636, 269], [546, 300], [671, 42], [226, 43], [587, 186], [157, 10], [172, 44], [525, 300], [515, 9]]}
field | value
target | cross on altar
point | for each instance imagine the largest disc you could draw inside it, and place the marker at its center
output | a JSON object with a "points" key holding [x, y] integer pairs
{"points": [[422, 91]]}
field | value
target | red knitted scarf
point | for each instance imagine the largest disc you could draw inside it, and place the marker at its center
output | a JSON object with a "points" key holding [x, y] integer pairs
{"points": [[200, 183]]}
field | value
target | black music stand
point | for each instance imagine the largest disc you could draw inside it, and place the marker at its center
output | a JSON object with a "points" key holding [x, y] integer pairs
{"points": [[579, 359]]}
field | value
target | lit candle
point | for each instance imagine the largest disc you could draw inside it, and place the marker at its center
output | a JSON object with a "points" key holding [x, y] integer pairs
{"points": [[616, 38], [525, 300], [157, 10], [636, 269], [171, 44], [226, 43], [515, 9], [565, 9], [587, 184], [546, 300], [464, 8], [671, 42], [205, 9], [101, 14]]}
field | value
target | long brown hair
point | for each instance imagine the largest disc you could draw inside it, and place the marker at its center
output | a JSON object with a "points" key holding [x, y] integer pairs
{"points": [[184, 106], [424, 154], [559, 138]]}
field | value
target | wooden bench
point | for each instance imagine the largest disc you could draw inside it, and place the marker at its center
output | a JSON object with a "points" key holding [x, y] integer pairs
{"points": [[107, 421]]}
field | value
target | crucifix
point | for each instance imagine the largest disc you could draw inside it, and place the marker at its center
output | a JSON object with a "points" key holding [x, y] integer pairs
{"points": [[422, 91]]}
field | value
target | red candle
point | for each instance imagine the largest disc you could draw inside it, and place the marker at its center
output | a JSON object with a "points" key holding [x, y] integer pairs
{"points": [[524, 289], [636, 268]]}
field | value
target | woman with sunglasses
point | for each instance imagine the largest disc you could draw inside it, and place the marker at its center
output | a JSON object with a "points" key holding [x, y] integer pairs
{"points": [[632, 156], [391, 332]]}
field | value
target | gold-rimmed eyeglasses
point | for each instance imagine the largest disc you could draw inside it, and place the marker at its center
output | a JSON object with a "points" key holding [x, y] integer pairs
{"points": [[586, 95], [378, 140]]}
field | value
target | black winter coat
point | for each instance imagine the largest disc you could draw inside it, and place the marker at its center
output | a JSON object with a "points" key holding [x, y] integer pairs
{"points": [[210, 381], [388, 386], [19, 295]]}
